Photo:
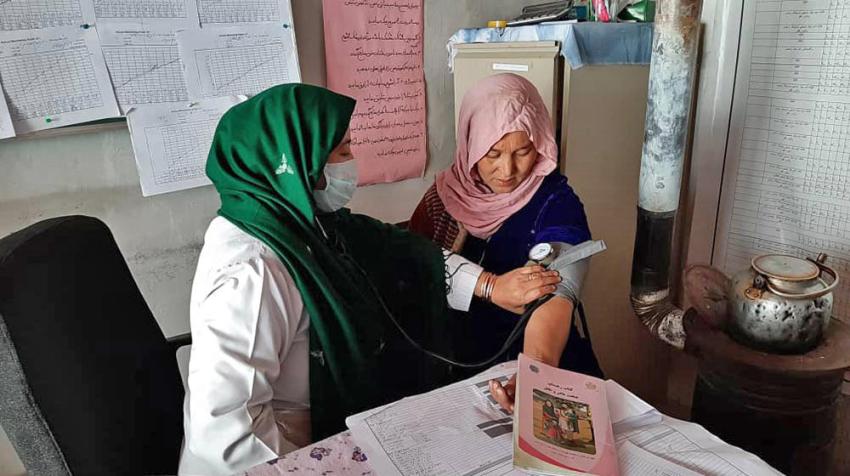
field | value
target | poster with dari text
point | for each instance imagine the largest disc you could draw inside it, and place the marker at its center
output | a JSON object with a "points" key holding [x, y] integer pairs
{"points": [[374, 53]]}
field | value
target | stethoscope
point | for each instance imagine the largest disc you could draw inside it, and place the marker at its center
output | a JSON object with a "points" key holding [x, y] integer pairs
{"points": [[516, 332]]}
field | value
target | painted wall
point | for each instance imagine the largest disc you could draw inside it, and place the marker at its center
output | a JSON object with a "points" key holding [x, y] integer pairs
{"points": [[93, 173], [601, 158], [56, 173]]}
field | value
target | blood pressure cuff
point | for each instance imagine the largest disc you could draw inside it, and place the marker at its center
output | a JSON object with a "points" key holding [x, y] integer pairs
{"points": [[572, 262]]}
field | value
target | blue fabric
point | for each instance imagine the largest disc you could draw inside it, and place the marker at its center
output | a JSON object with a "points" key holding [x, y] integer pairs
{"points": [[587, 43], [555, 213]]}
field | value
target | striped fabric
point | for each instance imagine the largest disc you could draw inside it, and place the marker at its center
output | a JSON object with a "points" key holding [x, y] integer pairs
{"points": [[431, 220]]}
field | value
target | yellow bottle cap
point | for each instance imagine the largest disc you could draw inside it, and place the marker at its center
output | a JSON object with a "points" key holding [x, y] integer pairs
{"points": [[497, 24]]}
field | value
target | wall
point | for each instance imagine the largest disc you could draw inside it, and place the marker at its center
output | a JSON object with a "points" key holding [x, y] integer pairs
{"points": [[604, 114], [56, 173], [442, 19], [60, 172], [395, 202]]}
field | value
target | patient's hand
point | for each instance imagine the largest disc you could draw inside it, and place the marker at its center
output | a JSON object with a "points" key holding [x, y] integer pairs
{"points": [[514, 289], [504, 395]]}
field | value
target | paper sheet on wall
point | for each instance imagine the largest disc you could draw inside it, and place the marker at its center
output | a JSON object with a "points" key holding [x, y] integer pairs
{"points": [[171, 142], [6, 128], [143, 62], [786, 187], [217, 12], [37, 14], [55, 77], [244, 59], [178, 13], [373, 52]]}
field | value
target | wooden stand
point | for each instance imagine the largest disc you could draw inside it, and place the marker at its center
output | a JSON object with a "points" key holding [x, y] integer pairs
{"points": [[780, 407]]}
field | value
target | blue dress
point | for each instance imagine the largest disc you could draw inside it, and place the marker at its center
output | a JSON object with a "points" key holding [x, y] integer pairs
{"points": [[555, 213]]}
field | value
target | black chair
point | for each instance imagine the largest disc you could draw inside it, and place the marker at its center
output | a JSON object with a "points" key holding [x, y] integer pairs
{"points": [[88, 383]]}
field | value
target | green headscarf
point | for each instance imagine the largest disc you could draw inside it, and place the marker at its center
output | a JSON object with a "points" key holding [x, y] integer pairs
{"points": [[266, 158]]}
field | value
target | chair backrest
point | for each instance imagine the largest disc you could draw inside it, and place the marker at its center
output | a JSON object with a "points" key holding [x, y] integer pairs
{"points": [[88, 385]]}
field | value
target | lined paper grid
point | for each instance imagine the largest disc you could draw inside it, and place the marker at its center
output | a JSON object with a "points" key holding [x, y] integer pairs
{"points": [[787, 183]]}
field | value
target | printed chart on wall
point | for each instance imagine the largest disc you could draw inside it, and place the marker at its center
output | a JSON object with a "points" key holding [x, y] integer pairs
{"points": [[178, 13], [54, 77], [144, 64], [38, 14], [171, 142], [243, 59], [787, 175], [373, 50], [223, 12], [6, 128], [172, 67]]}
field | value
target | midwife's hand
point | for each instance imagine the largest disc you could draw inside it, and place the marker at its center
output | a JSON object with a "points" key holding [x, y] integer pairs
{"points": [[504, 395], [513, 290]]}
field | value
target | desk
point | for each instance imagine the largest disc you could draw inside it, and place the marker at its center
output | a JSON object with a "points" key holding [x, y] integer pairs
{"points": [[683, 443]]}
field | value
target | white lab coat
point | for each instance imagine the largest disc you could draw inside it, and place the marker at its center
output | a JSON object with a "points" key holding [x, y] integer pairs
{"points": [[248, 395]]}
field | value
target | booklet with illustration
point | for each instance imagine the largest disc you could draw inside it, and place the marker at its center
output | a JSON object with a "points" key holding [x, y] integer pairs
{"points": [[561, 422]]}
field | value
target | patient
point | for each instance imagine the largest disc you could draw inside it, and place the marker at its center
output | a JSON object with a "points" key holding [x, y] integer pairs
{"points": [[294, 297], [502, 196]]}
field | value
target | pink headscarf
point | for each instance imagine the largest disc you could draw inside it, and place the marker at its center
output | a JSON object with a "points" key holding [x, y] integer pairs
{"points": [[495, 106]]}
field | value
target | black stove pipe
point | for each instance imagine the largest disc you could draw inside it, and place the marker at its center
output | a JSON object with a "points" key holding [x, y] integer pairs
{"points": [[671, 84]]}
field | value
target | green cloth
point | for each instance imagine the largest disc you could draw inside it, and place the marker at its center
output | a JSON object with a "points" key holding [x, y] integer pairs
{"points": [[266, 157]]}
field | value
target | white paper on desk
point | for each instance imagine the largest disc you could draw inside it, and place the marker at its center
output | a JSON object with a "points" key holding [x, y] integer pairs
{"points": [[143, 62], [37, 14], [6, 128], [55, 77], [501, 372], [635, 460], [623, 405], [453, 430], [440, 433], [403, 438], [176, 13], [171, 142], [212, 12], [238, 60], [692, 446], [627, 410]]}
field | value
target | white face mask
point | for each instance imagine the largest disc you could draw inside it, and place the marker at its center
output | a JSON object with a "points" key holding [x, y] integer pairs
{"points": [[341, 178]]}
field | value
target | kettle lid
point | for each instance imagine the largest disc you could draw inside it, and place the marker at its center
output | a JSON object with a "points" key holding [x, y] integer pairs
{"points": [[785, 268]]}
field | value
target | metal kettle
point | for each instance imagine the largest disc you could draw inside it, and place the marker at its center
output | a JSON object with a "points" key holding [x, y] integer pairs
{"points": [[780, 303]]}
